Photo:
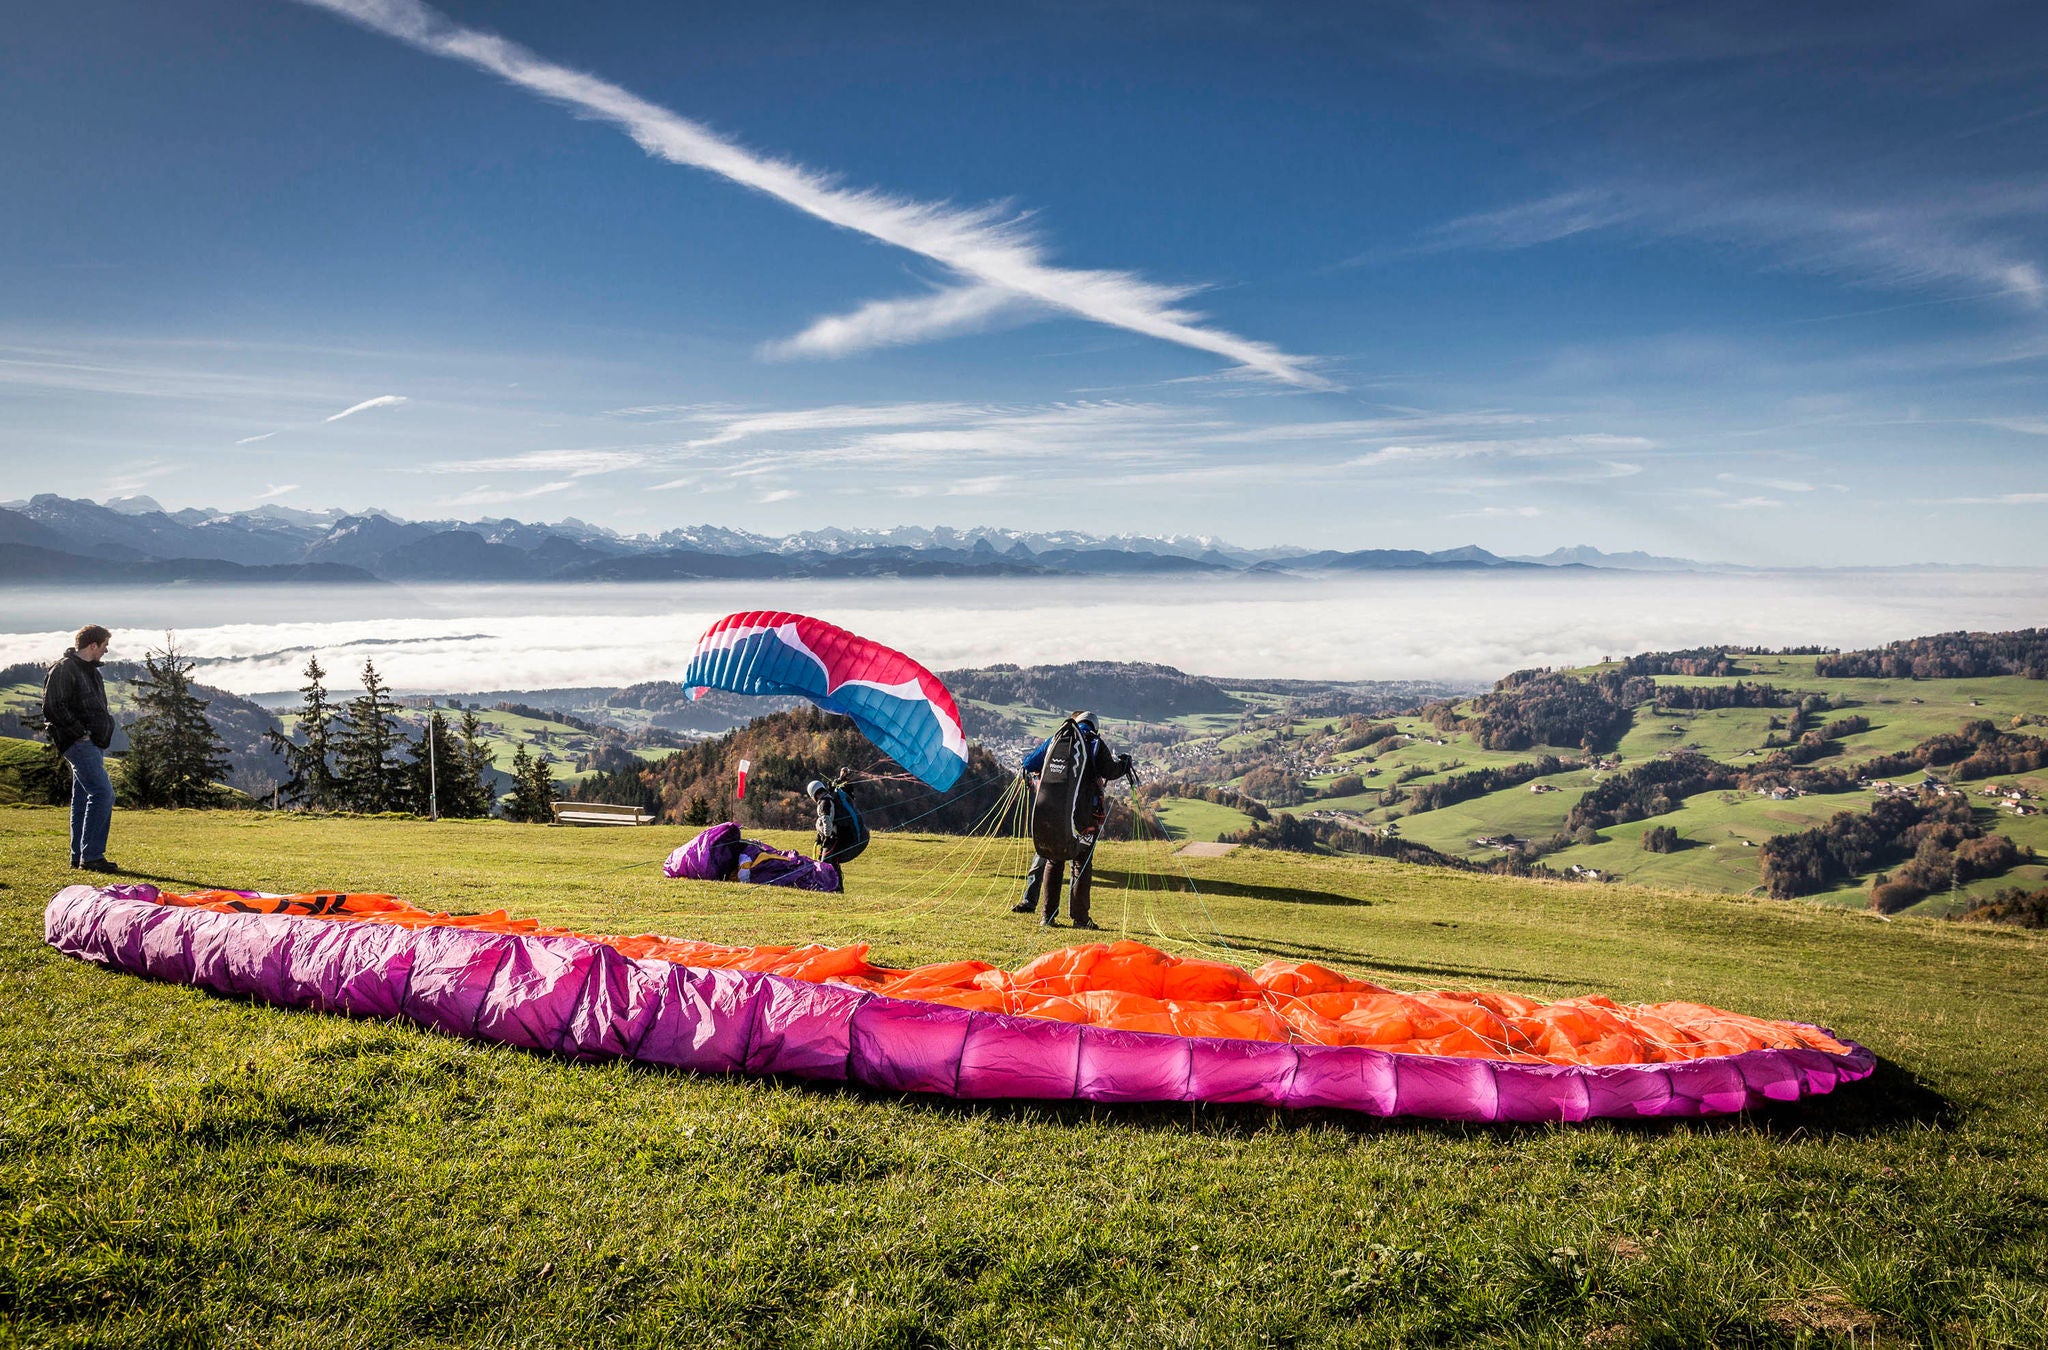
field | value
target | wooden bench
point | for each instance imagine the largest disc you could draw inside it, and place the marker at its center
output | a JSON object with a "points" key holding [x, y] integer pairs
{"points": [[598, 813]]}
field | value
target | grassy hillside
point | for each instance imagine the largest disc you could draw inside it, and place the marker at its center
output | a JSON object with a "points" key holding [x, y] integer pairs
{"points": [[1719, 831], [190, 1170]]}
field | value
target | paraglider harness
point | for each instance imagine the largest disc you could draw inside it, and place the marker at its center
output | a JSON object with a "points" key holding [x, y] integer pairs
{"points": [[1063, 818], [842, 834]]}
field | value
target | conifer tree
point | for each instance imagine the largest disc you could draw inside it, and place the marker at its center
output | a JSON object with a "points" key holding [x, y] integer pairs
{"points": [[520, 808], [533, 787], [309, 756], [478, 763], [434, 774], [542, 788], [174, 756], [370, 779]]}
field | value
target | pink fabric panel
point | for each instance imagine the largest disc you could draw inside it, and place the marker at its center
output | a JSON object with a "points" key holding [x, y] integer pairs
{"points": [[529, 990], [1625, 1091], [1536, 1092], [698, 1019], [1703, 1087], [366, 973], [902, 1046], [452, 972], [1345, 1076], [1448, 1089], [1819, 1071], [1223, 1070], [618, 1006], [802, 1029], [255, 953], [1768, 1077], [1027, 1057], [1133, 1066]]}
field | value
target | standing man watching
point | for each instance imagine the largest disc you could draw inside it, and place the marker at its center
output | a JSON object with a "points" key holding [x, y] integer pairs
{"points": [[1100, 766], [75, 714]]}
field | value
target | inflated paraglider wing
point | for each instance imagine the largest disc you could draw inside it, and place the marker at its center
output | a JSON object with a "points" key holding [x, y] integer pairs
{"points": [[898, 704]]}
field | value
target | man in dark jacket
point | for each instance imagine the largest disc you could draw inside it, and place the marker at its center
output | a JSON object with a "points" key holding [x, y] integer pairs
{"points": [[1104, 766], [75, 714]]}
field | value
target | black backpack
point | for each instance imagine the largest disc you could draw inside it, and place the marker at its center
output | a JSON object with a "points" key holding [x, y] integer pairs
{"points": [[1061, 779]]}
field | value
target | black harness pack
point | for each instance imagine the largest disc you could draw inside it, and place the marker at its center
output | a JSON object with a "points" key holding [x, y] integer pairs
{"points": [[1056, 833]]}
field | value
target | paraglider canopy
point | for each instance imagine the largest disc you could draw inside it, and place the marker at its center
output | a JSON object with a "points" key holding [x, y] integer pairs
{"points": [[898, 704]]}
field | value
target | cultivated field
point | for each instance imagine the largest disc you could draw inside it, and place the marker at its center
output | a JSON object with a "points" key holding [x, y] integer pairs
{"points": [[185, 1169]]}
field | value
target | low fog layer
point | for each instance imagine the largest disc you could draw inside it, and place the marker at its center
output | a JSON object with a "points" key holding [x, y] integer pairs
{"points": [[1428, 626]]}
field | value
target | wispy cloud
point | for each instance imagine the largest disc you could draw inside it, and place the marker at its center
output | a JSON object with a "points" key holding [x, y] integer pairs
{"points": [[1775, 484], [1752, 504], [898, 323], [251, 440], [1541, 221], [984, 247], [1505, 447], [1497, 513], [133, 478], [2002, 499], [576, 463], [381, 401], [2026, 426], [490, 496], [1946, 238], [276, 490], [741, 426], [939, 449]]}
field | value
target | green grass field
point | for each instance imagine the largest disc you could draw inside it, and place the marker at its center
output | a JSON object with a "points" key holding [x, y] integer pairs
{"points": [[184, 1169], [1192, 818]]}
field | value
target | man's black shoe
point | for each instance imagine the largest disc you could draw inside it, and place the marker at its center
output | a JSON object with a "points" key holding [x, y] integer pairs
{"points": [[99, 865], [1047, 922], [1089, 924], [1026, 907]]}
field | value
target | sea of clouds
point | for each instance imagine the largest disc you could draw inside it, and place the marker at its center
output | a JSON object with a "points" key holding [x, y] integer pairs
{"points": [[1442, 625]]}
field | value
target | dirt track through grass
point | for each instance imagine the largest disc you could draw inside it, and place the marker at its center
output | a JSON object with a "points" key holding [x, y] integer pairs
{"points": [[185, 1169]]}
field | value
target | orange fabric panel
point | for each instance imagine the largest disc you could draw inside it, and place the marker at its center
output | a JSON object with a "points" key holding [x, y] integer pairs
{"points": [[1135, 987]]}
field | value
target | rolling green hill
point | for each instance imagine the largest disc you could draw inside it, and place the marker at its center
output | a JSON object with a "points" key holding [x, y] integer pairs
{"points": [[1720, 832]]}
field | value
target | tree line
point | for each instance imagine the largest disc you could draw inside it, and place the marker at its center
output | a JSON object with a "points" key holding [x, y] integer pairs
{"points": [[1979, 750], [1946, 656], [356, 756], [1653, 788], [1934, 838], [1741, 694], [1465, 786], [2021, 908], [1546, 707]]}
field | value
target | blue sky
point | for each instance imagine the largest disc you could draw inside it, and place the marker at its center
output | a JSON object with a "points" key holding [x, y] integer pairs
{"points": [[1726, 281]]}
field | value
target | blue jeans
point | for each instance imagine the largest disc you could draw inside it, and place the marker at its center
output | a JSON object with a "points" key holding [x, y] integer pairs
{"points": [[92, 802]]}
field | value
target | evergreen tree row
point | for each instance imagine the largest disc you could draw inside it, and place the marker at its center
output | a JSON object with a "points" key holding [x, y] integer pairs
{"points": [[359, 757]]}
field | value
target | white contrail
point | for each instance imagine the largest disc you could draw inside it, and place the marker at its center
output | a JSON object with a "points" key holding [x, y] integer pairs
{"points": [[381, 401], [980, 245]]}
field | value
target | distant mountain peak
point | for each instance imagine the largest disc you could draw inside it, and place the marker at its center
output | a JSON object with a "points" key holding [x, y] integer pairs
{"points": [[135, 506]]}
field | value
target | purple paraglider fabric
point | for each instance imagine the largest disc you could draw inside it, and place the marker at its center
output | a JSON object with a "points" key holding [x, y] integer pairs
{"points": [[587, 1000], [720, 854], [711, 856]]}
